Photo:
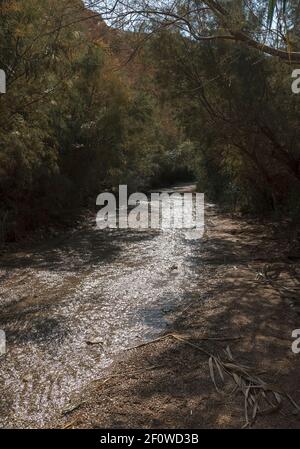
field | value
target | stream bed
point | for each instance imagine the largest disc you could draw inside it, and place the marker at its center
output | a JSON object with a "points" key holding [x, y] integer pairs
{"points": [[70, 307]]}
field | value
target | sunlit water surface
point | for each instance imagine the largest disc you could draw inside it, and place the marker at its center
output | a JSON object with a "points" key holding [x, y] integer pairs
{"points": [[114, 288]]}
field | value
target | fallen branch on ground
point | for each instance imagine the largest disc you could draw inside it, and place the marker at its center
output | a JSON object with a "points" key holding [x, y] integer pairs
{"points": [[258, 394], [260, 397], [163, 337]]}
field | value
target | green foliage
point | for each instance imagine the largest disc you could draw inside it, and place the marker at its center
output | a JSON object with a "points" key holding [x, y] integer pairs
{"points": [[271, 9], [73, 122], [70, 123], [240, 114]]}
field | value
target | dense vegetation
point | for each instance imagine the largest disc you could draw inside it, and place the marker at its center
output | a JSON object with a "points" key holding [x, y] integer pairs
{"points": [[72, 121], [81, 114], [242, 120]]}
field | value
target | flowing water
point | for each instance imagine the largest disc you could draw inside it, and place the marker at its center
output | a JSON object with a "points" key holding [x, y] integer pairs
{"points": [[111, 288]]}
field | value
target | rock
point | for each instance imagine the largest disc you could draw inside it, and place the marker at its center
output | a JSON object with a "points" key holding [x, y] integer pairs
{"points": [[28, 378], [94, 341]]}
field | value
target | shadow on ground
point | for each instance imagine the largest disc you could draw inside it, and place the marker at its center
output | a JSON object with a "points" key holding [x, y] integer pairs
{"points": [[245, 278]]}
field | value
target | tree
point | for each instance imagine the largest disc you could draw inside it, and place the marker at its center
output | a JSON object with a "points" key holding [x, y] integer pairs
{"points": [[264, 26], [240, 116]]}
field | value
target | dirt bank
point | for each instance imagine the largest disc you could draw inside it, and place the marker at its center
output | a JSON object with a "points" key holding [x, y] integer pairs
{"points": [[248, 301]]}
